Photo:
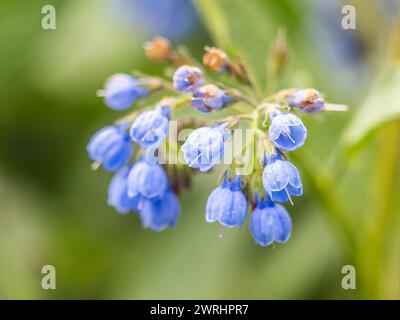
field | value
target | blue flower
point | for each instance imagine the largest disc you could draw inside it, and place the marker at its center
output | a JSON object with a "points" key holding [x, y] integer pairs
{"points": [[111, 147], [160, 213], [118, 193], [270, 222], [204, 147], [281, 179], [209, 97], [227, 204], [187, 79], [150, 128], [148, 180], [307, 100], [121, 91], [287, 131]]}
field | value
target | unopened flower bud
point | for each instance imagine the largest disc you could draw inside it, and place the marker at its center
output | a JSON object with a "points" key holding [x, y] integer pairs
{"points": [[159, 49], [187, 78], [209, 97], [216, 59], [269, 222], [227, 204], [307, 100]]}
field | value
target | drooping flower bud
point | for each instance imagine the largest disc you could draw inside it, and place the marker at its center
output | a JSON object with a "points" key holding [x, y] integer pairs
{"points": [[150, 128], [110, 147], [118, 197], [148, 180], [160, 213], [269, 222], [227, 204], [121, 91], [281, 179], [204, 147]]}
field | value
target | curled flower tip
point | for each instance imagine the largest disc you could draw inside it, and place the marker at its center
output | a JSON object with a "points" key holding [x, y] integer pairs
{"points": [[227, 204], [160, 213], [269, 223], [121, 91], [281, 180], [216, 59], [159, 49], [307, 100], [209, 97], [187, 78], [110, 147], [150, 128], [118, 197], [287, 131], [204, 147]]}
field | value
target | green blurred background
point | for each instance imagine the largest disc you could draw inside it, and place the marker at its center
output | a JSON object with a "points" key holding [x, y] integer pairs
{"points": [[53, 207]]}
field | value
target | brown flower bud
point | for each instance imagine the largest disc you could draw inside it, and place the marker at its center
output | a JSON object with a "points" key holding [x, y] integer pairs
{"points": [[159, 49], [216, 59]]}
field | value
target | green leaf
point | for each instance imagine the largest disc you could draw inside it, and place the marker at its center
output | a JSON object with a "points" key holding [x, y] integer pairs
{"points": [[215, 19], [380, 107], [243, 27], [248, 28]]}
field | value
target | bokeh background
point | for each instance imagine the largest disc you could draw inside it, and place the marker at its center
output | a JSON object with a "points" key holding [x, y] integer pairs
{"points": [[53, 207]]}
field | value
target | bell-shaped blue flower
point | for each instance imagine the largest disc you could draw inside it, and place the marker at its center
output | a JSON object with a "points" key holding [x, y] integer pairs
{"points": [[160, 213], [270, 222], [281, 179], [227, 204], [287, 131], [118, 193], [150, 128], [111, 147], [147, 180], [187, 78], [121, 91], [204, 147], [209, 97]]}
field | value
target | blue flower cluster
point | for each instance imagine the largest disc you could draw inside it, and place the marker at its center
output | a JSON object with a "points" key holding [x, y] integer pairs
{"points": [[269, 221], [144, 185]]}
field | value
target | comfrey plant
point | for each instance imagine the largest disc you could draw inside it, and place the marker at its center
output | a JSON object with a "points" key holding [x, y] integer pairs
{"points": [[152, 166]]}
